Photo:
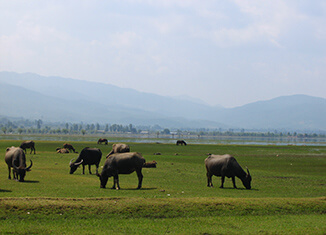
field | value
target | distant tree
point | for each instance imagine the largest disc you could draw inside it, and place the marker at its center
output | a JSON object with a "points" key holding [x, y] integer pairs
{"points": [[38, 124], [166, 131], [83, 131], [75, 127], [4, 129]]}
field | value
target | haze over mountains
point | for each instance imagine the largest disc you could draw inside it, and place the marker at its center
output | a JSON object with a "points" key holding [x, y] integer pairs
{"points": [[59, 99]]}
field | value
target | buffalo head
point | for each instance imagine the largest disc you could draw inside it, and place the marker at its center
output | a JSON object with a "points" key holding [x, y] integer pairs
{"points": [[104, 179], [246, 181], [74, 165], [21, 172]]}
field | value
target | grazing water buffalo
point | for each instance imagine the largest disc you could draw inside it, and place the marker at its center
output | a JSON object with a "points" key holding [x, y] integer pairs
{"points": [[100, 141], [119, 148], [182, 142], [122, 163], [226, 165], [69, 147], [88, 156], [28, 145], [15, 158]]}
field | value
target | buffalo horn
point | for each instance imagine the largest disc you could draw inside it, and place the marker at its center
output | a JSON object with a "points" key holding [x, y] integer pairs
{"points": [[70, 162], [28, 168], [15, 167], [78, 163], [248, 171]]}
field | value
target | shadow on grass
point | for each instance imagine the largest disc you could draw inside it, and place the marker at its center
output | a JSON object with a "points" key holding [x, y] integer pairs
{"points": [[31, 181], [5, 191], [230, 188], [135, 189]]}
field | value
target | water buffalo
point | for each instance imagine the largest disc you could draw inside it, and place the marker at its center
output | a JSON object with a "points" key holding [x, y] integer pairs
{"points": [[182, 142], [105, 141], [119, 148], [122, 163], [28, 145], [88, 156], [15, 158], [151, 164], [226, 165], [69, 147], [62, 150]]}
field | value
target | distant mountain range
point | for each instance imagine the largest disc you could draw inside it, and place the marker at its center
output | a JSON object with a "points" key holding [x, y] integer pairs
{"points": [[68, 100]]}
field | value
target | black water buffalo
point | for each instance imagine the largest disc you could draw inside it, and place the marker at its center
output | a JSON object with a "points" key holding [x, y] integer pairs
{"points": [[182, 142], [88, 156], [119, 148], [69, 147], [122, 163], [226, 165], [100, 141], [28, 145], [15, 158]]}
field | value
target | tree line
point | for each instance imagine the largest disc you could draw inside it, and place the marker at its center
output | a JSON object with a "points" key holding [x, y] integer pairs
{"points": [[25, 126]]}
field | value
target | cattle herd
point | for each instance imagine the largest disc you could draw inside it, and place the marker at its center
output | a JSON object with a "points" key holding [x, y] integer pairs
{"points": [[121, 161]]}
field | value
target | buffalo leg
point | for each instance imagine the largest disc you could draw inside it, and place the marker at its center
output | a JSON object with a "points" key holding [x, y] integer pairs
{"points": [[9, 177], [15, 174], [140, 179], [89, 169], [116, 182], [83, 169], [209, 180], [233, 181], [96, 169], [113, 187], [222, 179]]}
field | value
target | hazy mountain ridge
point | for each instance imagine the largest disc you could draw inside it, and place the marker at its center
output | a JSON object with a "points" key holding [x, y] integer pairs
{"points": [[64, 99]]}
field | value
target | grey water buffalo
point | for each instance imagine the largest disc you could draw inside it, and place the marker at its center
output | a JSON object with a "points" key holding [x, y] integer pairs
{"points": [[28, 145], [88, 156], [69, 147], [226, 166], [181, 142], [100, 141], [122, 163], [119, 148], [15, 159]]}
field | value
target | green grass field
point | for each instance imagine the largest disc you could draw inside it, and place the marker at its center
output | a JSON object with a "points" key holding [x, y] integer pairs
{"points": [[288, 193]]}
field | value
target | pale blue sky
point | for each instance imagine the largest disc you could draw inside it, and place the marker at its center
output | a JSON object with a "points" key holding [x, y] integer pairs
{"points": [[223, 52]]}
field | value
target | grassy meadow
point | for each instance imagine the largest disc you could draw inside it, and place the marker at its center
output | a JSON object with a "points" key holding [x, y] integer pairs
{"points": [[288, 194]]}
